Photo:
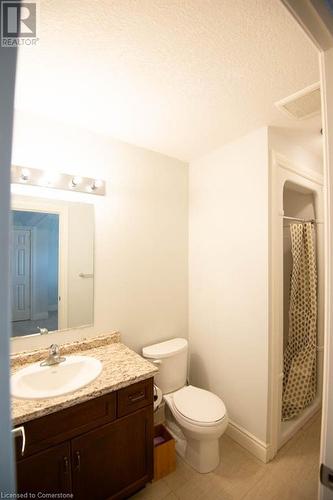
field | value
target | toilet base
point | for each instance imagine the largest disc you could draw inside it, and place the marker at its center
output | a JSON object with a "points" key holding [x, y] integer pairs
{"points": [[202, 456]]}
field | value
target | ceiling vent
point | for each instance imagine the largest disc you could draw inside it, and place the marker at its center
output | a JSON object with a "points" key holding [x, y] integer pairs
{"points": [[303, 104]]}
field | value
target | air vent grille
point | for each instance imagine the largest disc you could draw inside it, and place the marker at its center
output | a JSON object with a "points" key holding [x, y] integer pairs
{"points": [[303, 104]]}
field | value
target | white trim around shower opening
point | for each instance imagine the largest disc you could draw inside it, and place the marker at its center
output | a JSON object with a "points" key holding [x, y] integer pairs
{"points": [[283, 171]]}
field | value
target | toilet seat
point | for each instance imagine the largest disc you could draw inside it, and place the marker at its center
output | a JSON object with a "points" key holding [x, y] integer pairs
{"points": [[199, 407]]}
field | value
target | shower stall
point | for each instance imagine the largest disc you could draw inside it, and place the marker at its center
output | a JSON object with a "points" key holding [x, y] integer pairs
{"points": [[296, 233]]}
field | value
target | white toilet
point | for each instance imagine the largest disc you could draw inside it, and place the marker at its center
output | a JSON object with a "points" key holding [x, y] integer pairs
{"points": [[196, 417]]}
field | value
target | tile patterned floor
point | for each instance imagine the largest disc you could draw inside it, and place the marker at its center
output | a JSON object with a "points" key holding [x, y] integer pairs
{"points": [[292, 475]]}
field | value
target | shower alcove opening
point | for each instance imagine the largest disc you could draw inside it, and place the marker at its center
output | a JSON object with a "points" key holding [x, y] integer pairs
{"points": [[295, 192]]}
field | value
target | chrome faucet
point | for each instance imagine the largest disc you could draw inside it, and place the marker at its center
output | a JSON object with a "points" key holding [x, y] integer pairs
{"points": [[53, 357], [43, 331]]}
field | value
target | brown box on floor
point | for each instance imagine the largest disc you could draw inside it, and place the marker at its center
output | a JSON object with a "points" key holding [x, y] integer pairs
{"points": [[164, 452]]}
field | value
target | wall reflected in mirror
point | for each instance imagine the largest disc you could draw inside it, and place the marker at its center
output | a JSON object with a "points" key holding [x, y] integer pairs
{"points": [[52, 265]]}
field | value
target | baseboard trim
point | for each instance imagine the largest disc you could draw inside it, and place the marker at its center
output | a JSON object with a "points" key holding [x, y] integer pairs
{"points": [[299, 422], [248, 441]]}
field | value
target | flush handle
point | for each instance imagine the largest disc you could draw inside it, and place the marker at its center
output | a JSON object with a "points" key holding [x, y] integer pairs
{"points": [[19, 432]]}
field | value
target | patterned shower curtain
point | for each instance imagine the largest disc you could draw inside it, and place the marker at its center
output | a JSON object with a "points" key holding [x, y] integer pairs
{"points": [[300, 356]]}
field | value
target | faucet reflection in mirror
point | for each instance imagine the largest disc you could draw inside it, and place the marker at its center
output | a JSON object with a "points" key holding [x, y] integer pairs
{"points": [[36, 177]]}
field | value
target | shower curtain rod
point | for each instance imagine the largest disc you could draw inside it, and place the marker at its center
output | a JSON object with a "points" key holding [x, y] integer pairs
{"points": [[313, 221]]}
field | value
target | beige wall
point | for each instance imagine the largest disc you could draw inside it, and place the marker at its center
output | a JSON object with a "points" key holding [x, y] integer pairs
{"points": [[141, 229], [228, 291]]}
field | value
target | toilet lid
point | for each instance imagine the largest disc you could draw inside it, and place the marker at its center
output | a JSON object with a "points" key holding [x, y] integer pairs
{"points": [[199, 405]]}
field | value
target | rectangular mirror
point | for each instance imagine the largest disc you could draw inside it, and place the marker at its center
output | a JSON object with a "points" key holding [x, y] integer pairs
{"points": [[52, 265]]}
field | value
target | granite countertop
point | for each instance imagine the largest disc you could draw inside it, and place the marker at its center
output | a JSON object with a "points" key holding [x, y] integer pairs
{"points": [[121, 367]]}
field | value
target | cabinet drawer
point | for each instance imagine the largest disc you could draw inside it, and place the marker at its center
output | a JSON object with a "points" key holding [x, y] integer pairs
{"points": [[65, 424], [134, 397]]}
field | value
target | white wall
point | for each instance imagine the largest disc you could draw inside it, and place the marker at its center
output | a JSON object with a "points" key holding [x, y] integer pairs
{"points": [[141, 229], [228, 285], [294, 147]]}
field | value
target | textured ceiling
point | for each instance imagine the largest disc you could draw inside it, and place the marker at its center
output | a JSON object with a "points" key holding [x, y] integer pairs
{"points": [[177, 76]]}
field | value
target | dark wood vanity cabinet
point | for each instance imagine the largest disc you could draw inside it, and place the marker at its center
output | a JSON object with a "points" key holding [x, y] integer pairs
{"points": [[104, 448], [124, 444], [47, 471]]}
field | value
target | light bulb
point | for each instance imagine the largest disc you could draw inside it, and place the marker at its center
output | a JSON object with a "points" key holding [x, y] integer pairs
{"points": [[76, 181], [97, 183]]}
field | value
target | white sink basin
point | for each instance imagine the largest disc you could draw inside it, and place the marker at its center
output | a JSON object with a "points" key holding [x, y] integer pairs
{"points": [[38, 382]]}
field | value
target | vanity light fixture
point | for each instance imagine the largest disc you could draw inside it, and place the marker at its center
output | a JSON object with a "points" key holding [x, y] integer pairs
{"points": [[50, 179], [76, 181]]}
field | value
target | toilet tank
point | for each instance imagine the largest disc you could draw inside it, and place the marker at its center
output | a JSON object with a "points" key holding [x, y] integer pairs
{"points": [[171, 358]]}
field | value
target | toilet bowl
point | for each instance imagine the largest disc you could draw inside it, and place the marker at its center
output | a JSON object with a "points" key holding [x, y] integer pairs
{"points": [[197, 418], [202, 418]]}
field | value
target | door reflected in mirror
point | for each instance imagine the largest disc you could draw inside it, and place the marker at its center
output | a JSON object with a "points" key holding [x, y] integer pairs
{"points": [[35, 269], [52, 260]]}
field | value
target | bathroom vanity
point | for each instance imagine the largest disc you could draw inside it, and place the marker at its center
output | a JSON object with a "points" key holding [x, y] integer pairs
{"points": [[96, 443]]}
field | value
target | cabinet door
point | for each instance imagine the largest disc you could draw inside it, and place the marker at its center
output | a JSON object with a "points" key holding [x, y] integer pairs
{"points": [[45, 472], [114, 460]]}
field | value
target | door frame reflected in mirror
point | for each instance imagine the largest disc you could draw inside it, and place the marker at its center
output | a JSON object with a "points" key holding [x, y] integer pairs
{"points": [[29, 204]]}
